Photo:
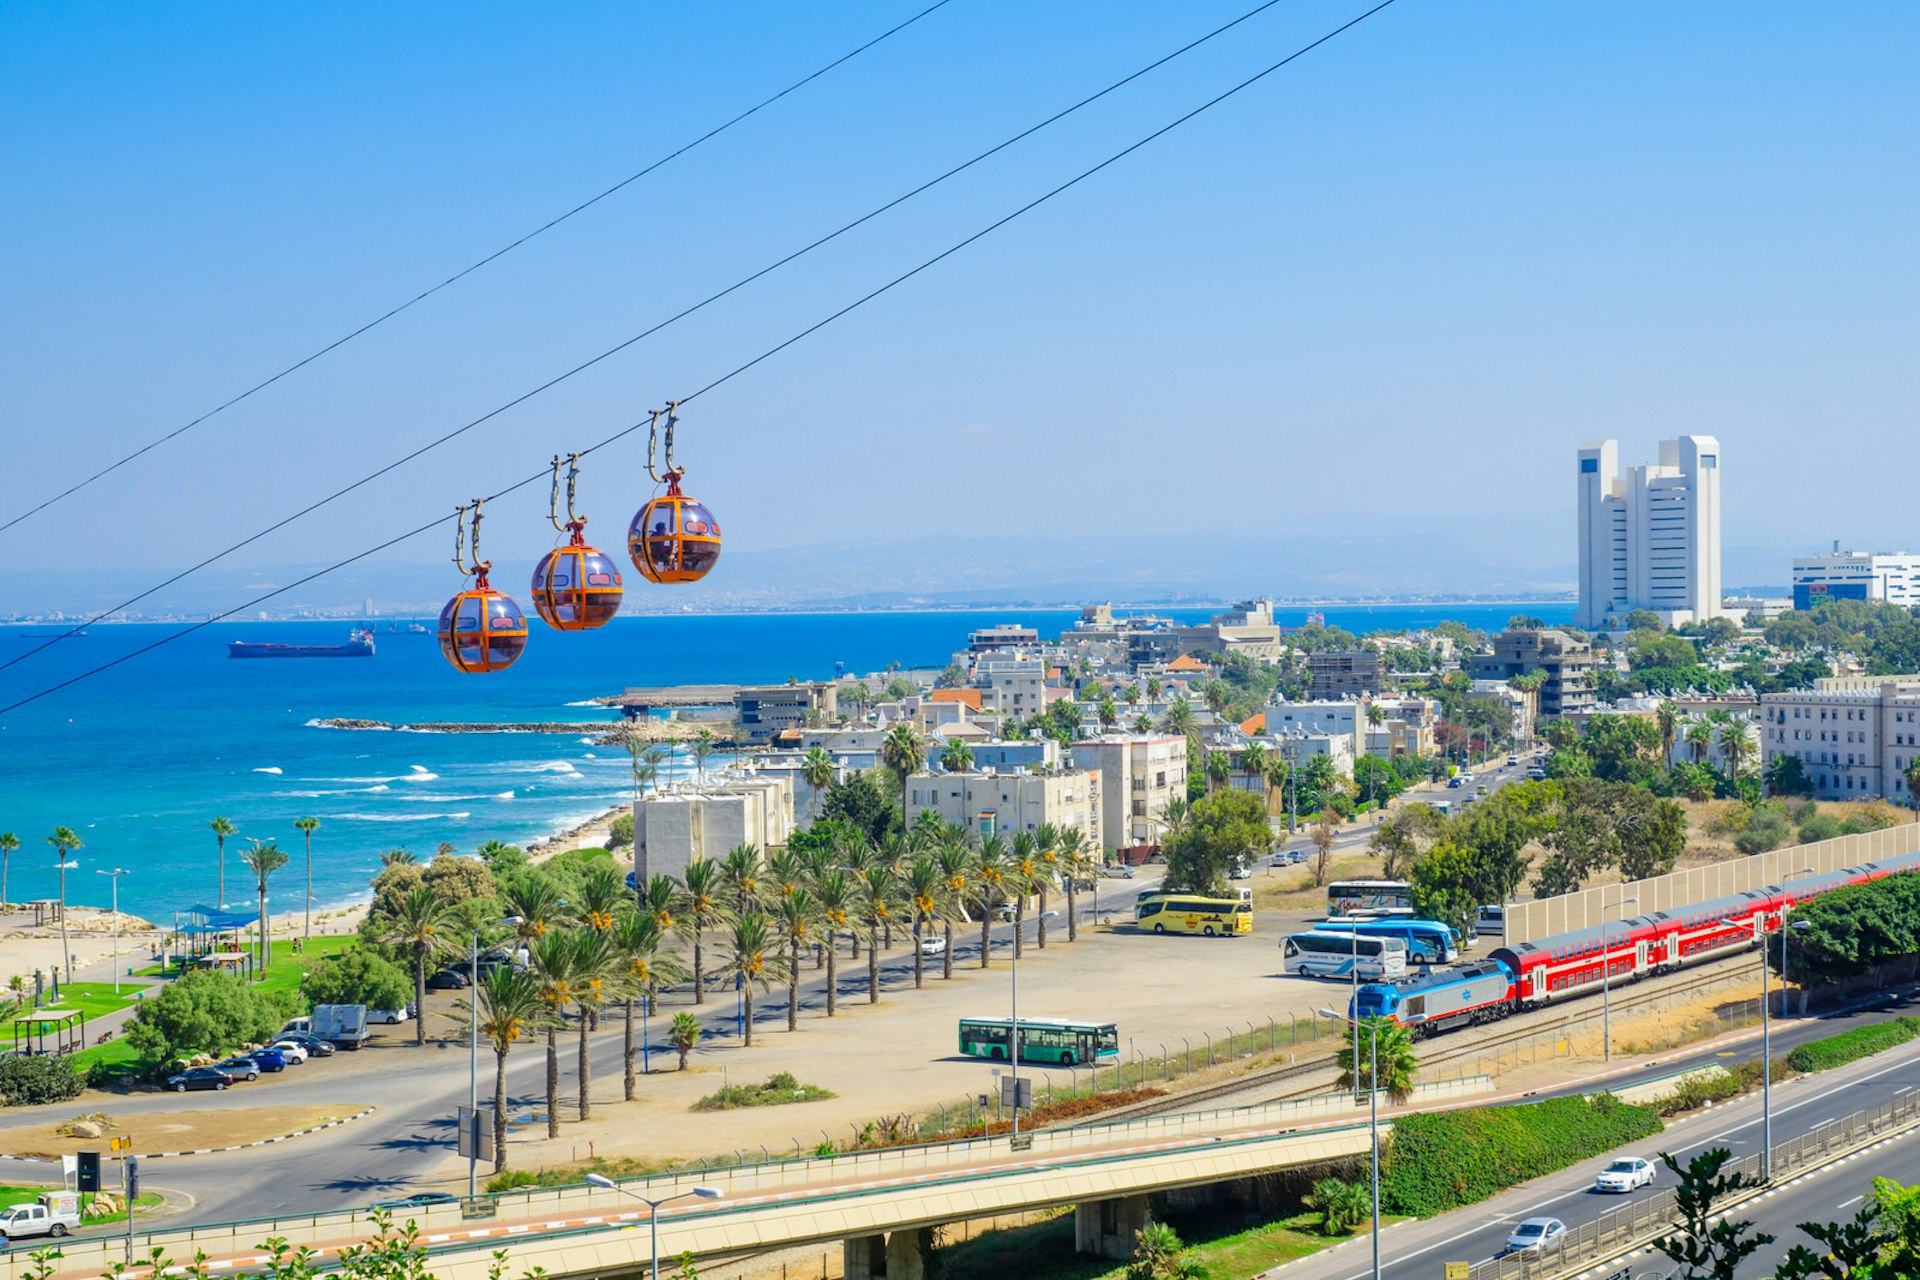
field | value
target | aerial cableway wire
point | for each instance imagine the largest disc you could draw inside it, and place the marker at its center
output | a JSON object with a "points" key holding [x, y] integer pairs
{"points": [[462, 274], [648, 332], [545, 472]]}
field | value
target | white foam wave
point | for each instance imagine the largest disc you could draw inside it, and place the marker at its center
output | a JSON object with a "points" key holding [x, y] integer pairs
{"points": [[504, 795], [388, 778], [550, 766], [272, 768], [584, 702], [399, 817], [587, 742], [420, 775]]}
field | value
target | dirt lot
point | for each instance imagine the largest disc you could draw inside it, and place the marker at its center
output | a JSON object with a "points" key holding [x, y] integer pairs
{"points": [[174, 1131]]}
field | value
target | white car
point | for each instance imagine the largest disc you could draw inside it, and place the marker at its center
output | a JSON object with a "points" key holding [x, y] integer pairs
{"points": [[289, 1050], [1629, 1173], [390, 1017], [1534, 1233], [933, 944], [1118, 870]]}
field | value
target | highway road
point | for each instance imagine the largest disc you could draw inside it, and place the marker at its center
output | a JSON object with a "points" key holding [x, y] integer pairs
{"points": [[1414, 1251]]}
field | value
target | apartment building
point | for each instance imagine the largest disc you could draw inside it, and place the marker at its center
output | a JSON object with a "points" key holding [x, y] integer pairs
{"points": [[1568, 664], [1892, 576], [1138, 775], [1004, 804], [765, 713], [1012, 686], [672, 828], [1347, 674], [1854, 742]]}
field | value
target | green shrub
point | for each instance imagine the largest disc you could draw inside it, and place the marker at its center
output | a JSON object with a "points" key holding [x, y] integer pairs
{"points": [[1849, 1046], [1821, 826], [511, 1180], [1443, 1160], [620, 831], [1766, 829], [780, 1088], [25, 1082], [1342, 1205], [1696, 1091]]}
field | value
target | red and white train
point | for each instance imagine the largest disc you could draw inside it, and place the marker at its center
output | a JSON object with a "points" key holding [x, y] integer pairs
{"points": [[1529, 975]]}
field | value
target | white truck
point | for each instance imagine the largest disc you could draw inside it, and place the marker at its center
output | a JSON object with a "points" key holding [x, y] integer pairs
{"points": [[344, 1024], [54, 1214]]}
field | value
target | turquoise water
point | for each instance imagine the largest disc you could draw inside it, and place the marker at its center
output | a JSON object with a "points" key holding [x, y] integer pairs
{"points": [[140, 759]]}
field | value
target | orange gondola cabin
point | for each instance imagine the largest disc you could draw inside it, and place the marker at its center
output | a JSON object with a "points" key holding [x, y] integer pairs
{"points": [[482, 629], [575, 587], [674, 539]]}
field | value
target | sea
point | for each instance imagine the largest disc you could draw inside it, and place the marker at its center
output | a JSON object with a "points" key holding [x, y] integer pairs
{"points": [[157, 736]]}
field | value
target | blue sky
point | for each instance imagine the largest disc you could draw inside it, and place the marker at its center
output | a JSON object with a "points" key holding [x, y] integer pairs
{"points": [[1407, 275]]}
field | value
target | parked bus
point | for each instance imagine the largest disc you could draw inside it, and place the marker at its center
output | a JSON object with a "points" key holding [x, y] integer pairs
{"points": [[1190, 913], [1061, 1040], [1428, 941], [1336, 955], [1350, 897]]}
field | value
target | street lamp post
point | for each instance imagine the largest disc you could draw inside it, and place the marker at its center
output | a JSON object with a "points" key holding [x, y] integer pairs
{"points": [[653, 1209], [1013, 1035], [1373, 1119], [1606, 975], [113, 878]]}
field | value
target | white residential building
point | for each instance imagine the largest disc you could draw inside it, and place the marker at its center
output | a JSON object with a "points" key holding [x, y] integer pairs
{"points": [[1006, 804], [672, 828], [1650, 538], [1012, 686], [1138, 775], [1345, 720], [1892, 576], [1853, 742]]}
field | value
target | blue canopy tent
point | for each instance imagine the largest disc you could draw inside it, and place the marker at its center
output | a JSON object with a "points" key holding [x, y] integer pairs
{"points": [[213, 937]]}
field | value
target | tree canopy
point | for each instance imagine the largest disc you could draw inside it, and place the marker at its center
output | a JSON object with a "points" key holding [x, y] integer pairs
{"points": [[1221, 829]]}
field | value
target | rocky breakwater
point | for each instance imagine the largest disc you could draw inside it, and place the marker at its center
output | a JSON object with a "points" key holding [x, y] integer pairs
{"points": [[648, 730]]}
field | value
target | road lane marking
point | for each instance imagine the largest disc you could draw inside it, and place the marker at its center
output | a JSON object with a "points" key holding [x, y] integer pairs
{"points": [[1856, 1200]]}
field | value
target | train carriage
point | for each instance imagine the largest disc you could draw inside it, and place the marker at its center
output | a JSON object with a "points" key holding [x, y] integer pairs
{"points": [[1478, 992]]}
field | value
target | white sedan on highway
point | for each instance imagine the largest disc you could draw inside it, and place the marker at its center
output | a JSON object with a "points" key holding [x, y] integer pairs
{"points": [[1629, 1173]]}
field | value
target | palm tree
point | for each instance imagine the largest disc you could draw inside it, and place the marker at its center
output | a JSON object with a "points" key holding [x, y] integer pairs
{"points": [[1253, 762], [8, 843], [1219, 769], [661, 901], [64, 840], [1666, 717], [990, 868], [702, 748], [595, 961], [740, 874], [1219, 696], [263, 860], [509, 1008], [956, 756], [221, 830], [306, 827], [793, 916], [835, 893], [903, 754], [1278, 772], [394, 858], [1046, 838], [1109, 713], [418, 923], [1153, 688], [1076, 863], [955, 860], [1699, 740], [553, 958], [1398, 1064], [1023, 881], [1143, 724], [1178, 718], [684, 1035], [641, 943], [926, 894], [818, 768], [1733, 747], [879, 887], [700, 898], [752, 962], [1173, 815], [603, 899]]}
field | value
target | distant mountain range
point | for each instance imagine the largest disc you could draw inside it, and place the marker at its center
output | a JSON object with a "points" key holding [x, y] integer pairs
{"points": [[1177, 561]]}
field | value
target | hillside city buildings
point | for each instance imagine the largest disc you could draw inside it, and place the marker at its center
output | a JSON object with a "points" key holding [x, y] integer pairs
{"points": [[1855, 736], [1649, 537]]}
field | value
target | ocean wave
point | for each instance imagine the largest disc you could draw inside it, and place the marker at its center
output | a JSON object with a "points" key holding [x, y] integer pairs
{"points": [[504, 795], [398, 817], [388, 778], [584, 702], [420, 775], [550, 766], [272, 768]]}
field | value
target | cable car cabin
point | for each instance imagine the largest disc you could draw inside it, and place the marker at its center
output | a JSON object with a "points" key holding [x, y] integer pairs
{"points": [[1479, 992], [576, 588], [482, 629], [673, 538]]}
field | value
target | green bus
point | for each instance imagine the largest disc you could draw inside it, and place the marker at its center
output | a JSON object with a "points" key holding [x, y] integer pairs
{"points": [[1060, 1040]]}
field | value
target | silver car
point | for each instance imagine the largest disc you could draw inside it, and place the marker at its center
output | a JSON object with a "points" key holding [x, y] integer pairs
{"points": [[1534, 1233]]}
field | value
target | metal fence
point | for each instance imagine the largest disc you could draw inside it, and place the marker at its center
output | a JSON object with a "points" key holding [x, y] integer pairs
{"points": [[1652, 1215]]}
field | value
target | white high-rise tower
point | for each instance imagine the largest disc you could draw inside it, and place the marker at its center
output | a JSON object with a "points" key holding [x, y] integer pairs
{"points": [[1650, 539]]}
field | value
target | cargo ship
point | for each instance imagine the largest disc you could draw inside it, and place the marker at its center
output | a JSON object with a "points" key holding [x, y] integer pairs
{"points": [[358, 645]]}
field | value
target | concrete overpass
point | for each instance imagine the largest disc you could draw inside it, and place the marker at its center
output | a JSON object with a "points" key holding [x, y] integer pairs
{"points": [[882, 1205]]}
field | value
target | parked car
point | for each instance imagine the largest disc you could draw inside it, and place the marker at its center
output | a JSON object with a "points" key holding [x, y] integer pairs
{"points": [[1512, 760], [1119, 870], [1533, 1233], [314, 1045], [242, 1068], [269, 1059], [416, 1201], [1629, 1173], [448, 980], [933, 944], [199, 1078], [294, 1052], [389, 1017], [1457, 781]]}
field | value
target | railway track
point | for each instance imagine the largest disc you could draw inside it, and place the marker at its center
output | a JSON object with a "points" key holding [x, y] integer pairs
{"points": [[1517, 1032]]}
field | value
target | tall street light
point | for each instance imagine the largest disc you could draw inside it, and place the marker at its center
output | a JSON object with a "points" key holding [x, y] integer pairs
{"points": [[1766, 1044], [1373, 1120], [114, 875], [653, 1208], [1606, 975]]}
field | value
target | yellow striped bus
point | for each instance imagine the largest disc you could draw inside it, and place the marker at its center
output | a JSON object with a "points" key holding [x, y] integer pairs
{"points": [[1191, 913]]}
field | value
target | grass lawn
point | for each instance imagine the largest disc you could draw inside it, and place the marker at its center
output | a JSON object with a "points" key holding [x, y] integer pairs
{"points": [[96, 998], [1227, 1244], [27, 1195]]}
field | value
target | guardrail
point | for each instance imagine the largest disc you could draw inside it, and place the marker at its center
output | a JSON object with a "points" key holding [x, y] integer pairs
{"points": [[1650, 1215]]}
